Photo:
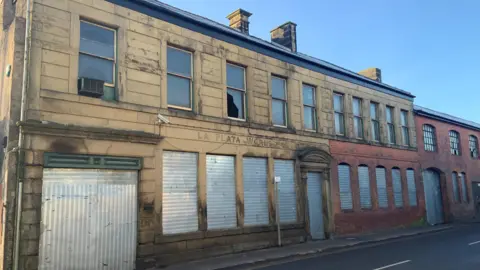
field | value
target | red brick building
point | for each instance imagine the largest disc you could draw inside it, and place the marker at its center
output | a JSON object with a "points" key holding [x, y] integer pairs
{"points": [[448, 147]]}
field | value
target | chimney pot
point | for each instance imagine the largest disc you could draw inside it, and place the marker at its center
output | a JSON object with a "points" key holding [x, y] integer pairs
{"points": [[285, 35], [372, 73], [239, 20]]}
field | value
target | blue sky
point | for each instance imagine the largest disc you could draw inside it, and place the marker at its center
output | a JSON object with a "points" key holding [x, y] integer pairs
{"points": [[429, 48]]}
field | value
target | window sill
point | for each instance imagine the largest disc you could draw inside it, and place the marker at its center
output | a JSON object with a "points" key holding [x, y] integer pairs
{"points": [[179, 108], [310, 130], [279, 126], [237, 119]]}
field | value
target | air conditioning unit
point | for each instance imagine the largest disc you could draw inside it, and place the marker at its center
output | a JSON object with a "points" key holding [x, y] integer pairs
{"points": [[90, 87]]}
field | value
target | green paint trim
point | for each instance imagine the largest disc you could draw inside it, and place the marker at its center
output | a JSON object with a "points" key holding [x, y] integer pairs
{"points": [[57, 160]]}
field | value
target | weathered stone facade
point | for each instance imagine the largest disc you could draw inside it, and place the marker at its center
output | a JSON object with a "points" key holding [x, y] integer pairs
{"points": [[61, 121]]}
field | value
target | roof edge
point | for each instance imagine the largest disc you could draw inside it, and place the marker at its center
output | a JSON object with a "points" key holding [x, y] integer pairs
{"points": [[443, 117]]}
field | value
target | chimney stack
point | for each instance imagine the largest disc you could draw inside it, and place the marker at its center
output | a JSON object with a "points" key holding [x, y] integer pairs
{"points": [[372, 73], [239, 20], [286, 35]]}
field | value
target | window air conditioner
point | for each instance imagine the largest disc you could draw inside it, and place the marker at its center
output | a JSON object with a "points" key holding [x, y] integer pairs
{"points": [[90, 87]]}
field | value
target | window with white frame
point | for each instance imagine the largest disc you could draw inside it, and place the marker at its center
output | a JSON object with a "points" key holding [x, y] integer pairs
{"points": [[309, 110], [357, 118], [390, 125], [454, 143], [235, 91], [179, 78], [97, 53], [429, 138], [404, 123], [279, 101], [375, 121], [338, 107], [473, 145]]}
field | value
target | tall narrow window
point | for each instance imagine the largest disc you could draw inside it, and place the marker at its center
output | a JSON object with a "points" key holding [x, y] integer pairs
{"points": [[97, 53], [390, 125], [463, 182], [473, 145], [364, 186], [412, 188], [345, 187], [339, 118], [380, 175], [179, 78], [357, 118], [279, 101], [429, 138], [454, 143], [375, 122], [309, 111], [455, 189], [397, 187], [404, 123], [235, 91]]}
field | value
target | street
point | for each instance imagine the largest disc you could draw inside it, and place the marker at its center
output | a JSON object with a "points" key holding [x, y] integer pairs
{"points": [[454, 249]]}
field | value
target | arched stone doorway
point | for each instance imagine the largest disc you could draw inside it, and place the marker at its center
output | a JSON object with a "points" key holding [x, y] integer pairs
{"points": [[434, 196], [315, 175]]}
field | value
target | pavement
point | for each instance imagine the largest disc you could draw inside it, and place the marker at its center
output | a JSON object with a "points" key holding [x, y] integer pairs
{"points": [[305, 255]]}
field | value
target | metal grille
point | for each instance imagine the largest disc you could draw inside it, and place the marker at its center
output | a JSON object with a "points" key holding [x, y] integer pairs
{"points": [[255, 191], [221, 202], [429, 138], [89, 219], [454, 142], [179, 200], [364, 185], [455, 189], [314, 192], [287, 191], [463, 181], [344, 187], [380, 176], [412, 188], [397, 187], [473, 145]]}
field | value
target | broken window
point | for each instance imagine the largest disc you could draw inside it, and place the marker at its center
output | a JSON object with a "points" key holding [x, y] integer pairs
{"points": [[235, 91]]}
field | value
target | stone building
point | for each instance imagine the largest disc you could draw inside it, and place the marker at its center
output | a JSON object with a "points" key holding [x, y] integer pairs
{"points": [[150, 135], [449, 157]]}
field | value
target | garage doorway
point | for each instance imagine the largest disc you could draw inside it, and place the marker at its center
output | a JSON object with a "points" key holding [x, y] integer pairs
{"points": [[433, 197]]}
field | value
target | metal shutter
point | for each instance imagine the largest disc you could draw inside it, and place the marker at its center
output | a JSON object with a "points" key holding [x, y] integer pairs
{"points": [[456, 193], [397, 187], [344, 186], [315, 207], [412, 188], [287, 191], [255, 191], [89, 219], [179, 199], [221, 199], [380, 176], [364, 185], [463, 181]]}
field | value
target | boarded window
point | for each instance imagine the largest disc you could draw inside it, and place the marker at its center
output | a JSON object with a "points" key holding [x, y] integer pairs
{"points": [[179, 200], [286, 188], [412, 188], [397, 187], [463, 181], [380, 176], [345, 187], [221, 198], [455, 189], [255, 191], [364, 185]]}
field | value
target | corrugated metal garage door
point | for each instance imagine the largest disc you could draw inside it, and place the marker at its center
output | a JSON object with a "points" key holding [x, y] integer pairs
{"points": [[287, 192], [89, 219], [179, 200], [364, 185], [255, 191], [397, 187], [221, 199], [315, 207], [433, 197], [412, 188], [344, 187], [380, 176]]}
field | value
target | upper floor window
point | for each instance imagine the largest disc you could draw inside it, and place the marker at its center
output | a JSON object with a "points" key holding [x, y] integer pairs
{"points": [[235, 91], [375, 121], [309, 111], [390, 125], [357, 118], [473, 145], [97, 53], [179, 78], [454, 143], [279, 101], [429, 138], [339, 117], [404, 123]]}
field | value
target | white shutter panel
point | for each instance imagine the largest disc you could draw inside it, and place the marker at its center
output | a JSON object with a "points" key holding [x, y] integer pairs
{"points": [[412, 188], [287, 192], [344, 187], [364, 185], [255, 191], [381, 187], [397, 187]]}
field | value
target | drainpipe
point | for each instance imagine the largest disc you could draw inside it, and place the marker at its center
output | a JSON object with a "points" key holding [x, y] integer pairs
{"points": [[21, 152]]}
